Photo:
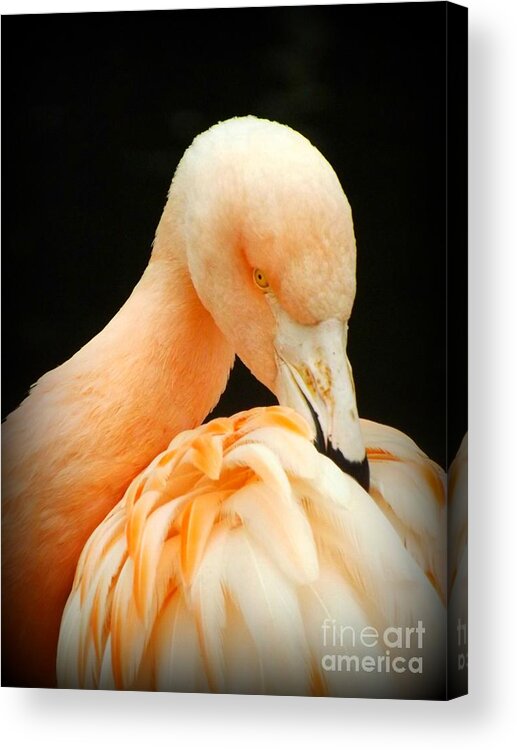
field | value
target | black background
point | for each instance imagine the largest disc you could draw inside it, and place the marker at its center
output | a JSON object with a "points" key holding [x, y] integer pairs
{"points": [[98, 109]]}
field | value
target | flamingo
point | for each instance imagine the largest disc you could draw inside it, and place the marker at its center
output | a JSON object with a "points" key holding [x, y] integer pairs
{"points": [[146, 550]]}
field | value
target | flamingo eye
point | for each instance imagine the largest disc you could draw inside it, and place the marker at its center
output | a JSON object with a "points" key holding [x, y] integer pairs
{"points": [[260, 279]]}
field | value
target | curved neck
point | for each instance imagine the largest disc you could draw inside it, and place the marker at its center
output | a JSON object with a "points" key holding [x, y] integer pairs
{"points": [[161, 363], [157, 368], [169, 362], [87, 428]]}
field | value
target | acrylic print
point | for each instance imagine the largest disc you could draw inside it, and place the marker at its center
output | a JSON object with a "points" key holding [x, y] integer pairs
{"points": [[224, 387]]}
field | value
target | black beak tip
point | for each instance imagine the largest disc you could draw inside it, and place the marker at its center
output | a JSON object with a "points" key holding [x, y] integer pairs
{"points": [[359, 470]]}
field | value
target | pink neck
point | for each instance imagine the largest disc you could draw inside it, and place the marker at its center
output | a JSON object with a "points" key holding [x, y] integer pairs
{"points": [[87, 428]]}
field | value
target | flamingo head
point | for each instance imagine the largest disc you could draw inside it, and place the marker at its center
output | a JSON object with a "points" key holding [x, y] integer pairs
{"points": [[271, 251]]}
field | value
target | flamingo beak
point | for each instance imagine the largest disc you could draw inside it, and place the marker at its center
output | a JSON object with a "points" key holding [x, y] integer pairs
{"points": [[315, 378]]}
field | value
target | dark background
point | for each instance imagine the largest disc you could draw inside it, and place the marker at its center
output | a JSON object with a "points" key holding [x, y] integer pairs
{"points": [[98, 109]]}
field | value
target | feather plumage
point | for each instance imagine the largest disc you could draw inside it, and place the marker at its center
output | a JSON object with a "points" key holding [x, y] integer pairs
{"points": [[223, 583]]}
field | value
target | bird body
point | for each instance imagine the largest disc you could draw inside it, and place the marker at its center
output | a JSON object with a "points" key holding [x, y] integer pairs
{"points": [[216, 566], [232, 552]]}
